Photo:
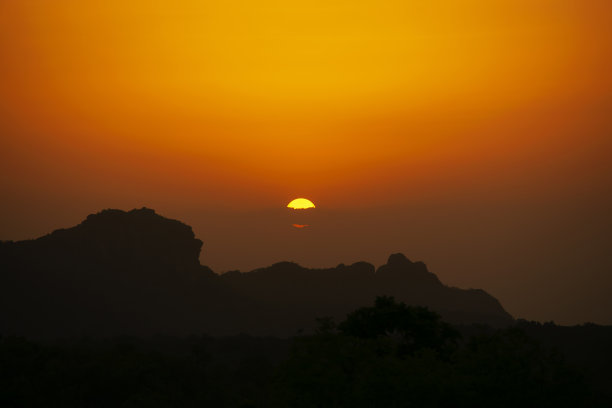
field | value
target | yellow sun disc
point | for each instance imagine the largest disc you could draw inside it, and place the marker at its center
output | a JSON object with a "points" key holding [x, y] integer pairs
{"points": [[300, 204]]}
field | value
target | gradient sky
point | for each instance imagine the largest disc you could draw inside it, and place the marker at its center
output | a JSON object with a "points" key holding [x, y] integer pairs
{"points": [[472, 135]]}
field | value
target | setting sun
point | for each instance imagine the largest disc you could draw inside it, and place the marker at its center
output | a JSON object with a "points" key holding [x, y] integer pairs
{"points": [[300, 204]]}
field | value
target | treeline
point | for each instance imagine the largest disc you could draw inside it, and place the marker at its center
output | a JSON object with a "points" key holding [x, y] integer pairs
{"points": [[388, 355]]}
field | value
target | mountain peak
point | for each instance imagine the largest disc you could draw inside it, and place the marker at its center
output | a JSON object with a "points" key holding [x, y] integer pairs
{"points": [[138, 239], [111, 212], [398, 259]]}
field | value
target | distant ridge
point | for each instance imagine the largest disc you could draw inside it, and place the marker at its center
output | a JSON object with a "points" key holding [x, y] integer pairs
{"points": [[137, 272]]}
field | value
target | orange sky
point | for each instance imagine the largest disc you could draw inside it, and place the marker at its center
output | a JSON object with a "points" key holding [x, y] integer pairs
{"points": [[207, 107]]}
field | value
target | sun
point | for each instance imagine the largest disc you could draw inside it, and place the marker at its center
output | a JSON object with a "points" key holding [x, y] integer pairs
{"points": [[301, 204]]}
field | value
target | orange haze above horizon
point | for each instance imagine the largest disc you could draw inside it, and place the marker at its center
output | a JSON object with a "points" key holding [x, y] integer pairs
{"points": [[189, 106], [363, 94]]}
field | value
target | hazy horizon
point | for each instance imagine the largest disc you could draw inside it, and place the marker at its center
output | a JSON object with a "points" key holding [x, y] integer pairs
{"points": [[456, 249]]}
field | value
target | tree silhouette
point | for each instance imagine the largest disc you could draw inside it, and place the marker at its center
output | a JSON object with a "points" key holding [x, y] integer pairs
{"points": [[394, 355], [413, 327]]}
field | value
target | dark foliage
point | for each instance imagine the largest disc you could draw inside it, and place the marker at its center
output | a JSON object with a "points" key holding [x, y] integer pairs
{"points": [[393, 355], [388, 355], [415, 328], [162, 372]]}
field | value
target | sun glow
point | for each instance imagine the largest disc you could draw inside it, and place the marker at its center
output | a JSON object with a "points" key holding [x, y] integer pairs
{"points": [[301, 204]]}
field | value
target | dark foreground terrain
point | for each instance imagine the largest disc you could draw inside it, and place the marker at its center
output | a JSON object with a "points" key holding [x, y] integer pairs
{"points": [[388, 355], [112, 313]]}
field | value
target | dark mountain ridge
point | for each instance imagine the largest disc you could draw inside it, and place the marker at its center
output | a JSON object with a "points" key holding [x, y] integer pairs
{"points": [[137, 272]]}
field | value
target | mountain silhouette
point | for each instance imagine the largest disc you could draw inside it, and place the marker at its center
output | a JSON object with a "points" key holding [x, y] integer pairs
{"points": [[137, 272]]}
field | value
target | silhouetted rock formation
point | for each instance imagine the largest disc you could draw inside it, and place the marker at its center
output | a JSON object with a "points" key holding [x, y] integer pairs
{"points": [[294, 294], [137, 272]]}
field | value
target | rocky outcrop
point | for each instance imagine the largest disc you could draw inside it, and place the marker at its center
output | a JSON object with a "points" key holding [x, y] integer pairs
{"points": [[116, 272], [137, 272], [295, 293]]}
